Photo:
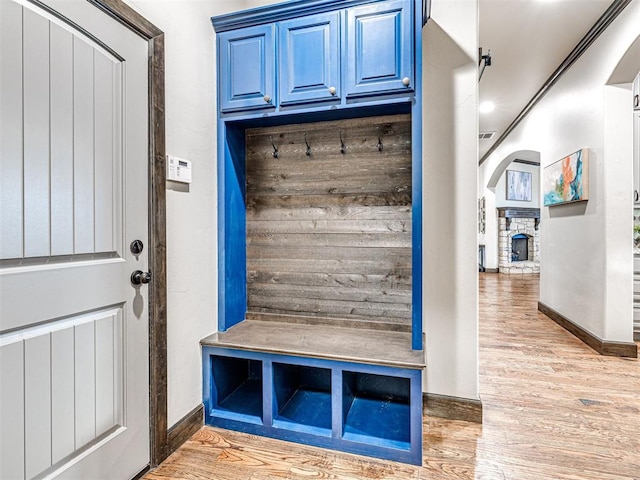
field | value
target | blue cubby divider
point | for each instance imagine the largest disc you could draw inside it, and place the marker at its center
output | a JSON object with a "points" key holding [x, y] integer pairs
{"points": [[373, 410]]}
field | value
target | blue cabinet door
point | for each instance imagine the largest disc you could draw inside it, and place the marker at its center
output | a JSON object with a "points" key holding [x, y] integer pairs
{"points": [[309, 65], [247, 68], [379, 48]]}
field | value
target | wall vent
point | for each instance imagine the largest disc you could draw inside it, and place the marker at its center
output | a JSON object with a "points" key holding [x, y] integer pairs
{"points": [[486, 135]]}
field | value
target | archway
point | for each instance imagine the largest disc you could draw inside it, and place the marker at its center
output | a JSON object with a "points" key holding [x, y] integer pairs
{"points": [[526, 155]]}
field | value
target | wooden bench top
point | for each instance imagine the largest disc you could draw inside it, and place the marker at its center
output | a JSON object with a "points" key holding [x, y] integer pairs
{"points": [[376, 347]]}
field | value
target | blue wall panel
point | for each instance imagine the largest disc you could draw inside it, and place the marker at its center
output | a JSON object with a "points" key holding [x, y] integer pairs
{"points": [[232, 259]]}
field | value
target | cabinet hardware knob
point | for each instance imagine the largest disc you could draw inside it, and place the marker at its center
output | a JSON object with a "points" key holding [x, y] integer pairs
{"points": [[406, 82], [636, 195], [332, 90], [267, 99], [636, 101]]}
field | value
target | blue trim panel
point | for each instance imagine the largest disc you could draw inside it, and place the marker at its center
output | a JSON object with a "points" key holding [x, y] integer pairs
{"points": [[416, 187], [232, 273], [372, 384], [280, 11], [350, 108], [222, 226]]}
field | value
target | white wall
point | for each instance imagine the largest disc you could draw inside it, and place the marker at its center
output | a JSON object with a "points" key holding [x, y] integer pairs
{"points": [[586, 248], [450, 49]]}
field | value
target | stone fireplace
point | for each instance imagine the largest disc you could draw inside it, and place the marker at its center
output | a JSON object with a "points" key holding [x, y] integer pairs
{"points": [[518, 240]]}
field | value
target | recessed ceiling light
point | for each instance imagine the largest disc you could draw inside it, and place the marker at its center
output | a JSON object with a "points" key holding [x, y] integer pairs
{"points": [[486, 107]]}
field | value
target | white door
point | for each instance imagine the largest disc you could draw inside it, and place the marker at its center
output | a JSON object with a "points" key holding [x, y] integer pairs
{"points": [[74, 374]]}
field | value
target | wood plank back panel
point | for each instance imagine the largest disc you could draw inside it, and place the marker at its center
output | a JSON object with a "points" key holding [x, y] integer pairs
{"points": [[329, 233]]}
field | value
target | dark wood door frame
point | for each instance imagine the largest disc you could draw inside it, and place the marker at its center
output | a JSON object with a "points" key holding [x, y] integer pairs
{"points": [[159, 439]]}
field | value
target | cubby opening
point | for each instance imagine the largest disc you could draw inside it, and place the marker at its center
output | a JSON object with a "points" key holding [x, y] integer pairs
{"points": [[302, 398], [375, 409], [237, 386]]}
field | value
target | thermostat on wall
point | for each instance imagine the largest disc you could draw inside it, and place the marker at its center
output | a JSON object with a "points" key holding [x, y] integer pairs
{"points": [[178, 169]]}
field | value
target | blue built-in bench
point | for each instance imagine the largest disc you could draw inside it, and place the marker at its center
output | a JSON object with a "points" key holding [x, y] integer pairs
{"points": [[319, 168], [358, 392]]}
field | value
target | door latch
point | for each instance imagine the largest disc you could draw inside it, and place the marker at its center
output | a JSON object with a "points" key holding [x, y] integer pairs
{"points": [[139, 277]]}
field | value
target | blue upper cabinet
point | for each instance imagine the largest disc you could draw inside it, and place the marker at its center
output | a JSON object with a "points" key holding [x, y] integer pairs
{"points": [[379, 49], [309, 63], [247, 68], [305, 54]]}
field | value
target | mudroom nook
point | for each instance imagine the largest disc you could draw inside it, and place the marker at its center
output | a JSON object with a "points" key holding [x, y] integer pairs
{"points": [[320, 324]]}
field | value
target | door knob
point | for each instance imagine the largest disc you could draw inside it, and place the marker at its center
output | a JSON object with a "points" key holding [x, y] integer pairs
{"points": [[139, 277]]}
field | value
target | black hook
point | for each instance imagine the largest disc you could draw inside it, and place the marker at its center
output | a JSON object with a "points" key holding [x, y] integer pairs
{"points": [[343, 148], [275, 149], [308, 150], [379, 145]]}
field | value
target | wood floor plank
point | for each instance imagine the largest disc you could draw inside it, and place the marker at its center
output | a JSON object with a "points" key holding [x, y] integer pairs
{"points": [[553, 409]]}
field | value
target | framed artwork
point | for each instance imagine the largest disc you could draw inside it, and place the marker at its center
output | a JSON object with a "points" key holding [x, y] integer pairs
{"points": [[519, 185], [482, 220], [567, 180]]}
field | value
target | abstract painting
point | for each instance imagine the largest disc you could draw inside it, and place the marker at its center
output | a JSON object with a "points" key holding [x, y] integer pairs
{"points": [[567, 180], [519, 185]]}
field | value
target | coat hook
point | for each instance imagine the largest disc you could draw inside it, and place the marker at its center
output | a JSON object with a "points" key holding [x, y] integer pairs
{"points": [[275, 149], [308, 150], [379, 145], [343, 148]]}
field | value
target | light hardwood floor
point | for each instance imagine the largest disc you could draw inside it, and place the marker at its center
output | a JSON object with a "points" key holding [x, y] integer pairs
{"points": [[553, 409]]}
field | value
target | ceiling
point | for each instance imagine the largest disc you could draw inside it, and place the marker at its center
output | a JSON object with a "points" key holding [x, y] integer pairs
{"points": [[528, 40]]}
